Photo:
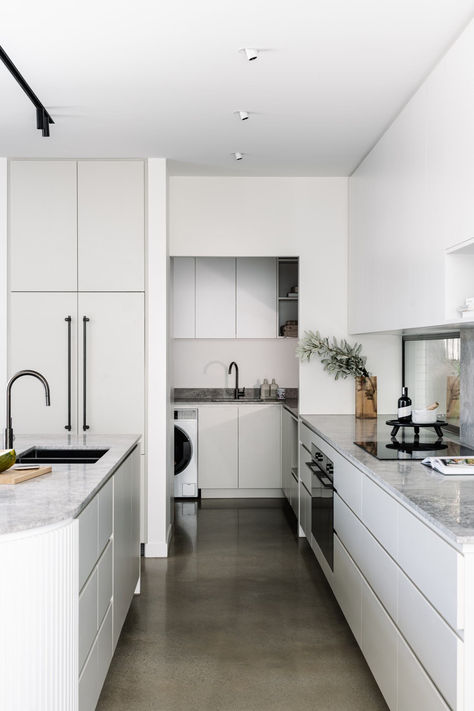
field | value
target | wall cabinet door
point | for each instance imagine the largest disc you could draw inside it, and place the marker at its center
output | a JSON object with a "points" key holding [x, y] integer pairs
{"points": [[111, 225], [215, 297], [184, 297], [114, 364], [259, 447], [256, 297], [38, 340], [42, 226], [218, 447]]}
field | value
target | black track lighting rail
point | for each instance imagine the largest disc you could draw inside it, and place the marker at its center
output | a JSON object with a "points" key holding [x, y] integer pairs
{"points": [[43, 119]]}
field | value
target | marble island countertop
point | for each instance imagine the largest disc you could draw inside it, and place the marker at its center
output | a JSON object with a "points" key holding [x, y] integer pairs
{"points": [[66, 491], [446, 503]]}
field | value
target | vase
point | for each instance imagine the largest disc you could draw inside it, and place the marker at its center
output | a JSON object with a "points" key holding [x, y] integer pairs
{"points": [[366, 397]]}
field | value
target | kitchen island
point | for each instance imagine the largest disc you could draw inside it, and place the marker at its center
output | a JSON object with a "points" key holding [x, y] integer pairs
{"points": [[403, 567], [70, 561]]}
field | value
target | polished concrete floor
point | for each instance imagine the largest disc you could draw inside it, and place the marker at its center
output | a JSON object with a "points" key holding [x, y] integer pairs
{"points": [[238, 618]]}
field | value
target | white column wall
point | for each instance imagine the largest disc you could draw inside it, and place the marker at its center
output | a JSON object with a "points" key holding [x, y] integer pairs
{"points": [[3, 280], [159, 417]]}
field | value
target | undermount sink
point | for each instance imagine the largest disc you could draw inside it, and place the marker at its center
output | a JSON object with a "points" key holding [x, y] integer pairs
{"points": [[37, 455]]}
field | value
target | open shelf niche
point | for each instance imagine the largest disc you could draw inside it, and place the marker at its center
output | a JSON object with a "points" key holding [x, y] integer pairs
{"points": [[287, 275], [459, 280]]}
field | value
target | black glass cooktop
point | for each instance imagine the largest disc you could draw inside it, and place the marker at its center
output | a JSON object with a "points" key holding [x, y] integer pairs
{"points": [[413, 449]]}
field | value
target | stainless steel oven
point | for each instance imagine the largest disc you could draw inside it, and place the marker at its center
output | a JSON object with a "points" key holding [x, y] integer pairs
{"points": [[322, 502]]}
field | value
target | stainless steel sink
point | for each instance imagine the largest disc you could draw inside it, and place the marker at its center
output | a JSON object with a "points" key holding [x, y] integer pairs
{"points": [[37, 455]]}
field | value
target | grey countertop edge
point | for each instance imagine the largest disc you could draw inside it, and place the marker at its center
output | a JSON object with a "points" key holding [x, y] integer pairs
{"points": [[289, 405], [435, 523], [36, 503]]}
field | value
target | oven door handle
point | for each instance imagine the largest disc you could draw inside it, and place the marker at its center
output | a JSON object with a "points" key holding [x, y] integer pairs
{"points": [[315, 469]]}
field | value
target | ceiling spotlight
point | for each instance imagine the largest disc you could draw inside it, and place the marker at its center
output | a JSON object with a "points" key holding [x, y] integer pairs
{"points": [[251, 54], [243, 115], [238, 156]]}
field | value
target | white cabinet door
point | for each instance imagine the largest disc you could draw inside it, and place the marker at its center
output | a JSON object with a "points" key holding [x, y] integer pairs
{"points": [[256, 297], [38, 340], [348, 588], [111, 225], [218, 447], [114, 365], [379, 645], [42, 226], [184, 297], [126, 537], [259, 447], [215, 297]]}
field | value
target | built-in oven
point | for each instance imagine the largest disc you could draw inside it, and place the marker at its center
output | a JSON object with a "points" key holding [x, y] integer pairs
{"points": [[322, 502]]}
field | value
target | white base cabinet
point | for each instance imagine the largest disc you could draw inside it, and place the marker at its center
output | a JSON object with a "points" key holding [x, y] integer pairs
{"points": [[239, 448]]}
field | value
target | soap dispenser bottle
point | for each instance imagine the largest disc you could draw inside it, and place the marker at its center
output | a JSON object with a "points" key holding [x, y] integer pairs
{"points": [[265, 389], [273, 389]]}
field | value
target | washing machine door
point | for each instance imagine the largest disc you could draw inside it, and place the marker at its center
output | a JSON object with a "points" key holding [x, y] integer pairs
{"points": [[183, 450]]}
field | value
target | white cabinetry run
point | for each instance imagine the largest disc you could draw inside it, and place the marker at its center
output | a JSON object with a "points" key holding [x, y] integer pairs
{"points": [[239, 450], [403, 590], [224, 297]]}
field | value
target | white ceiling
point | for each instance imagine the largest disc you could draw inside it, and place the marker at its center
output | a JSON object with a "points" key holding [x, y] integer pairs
{"points": [[125, 78]]}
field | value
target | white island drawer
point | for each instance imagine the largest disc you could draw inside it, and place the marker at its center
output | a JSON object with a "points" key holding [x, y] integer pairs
{"points": [[88, 540], [433, 565]]}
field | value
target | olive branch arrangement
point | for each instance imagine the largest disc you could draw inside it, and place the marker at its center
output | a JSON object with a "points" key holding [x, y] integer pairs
{"points": [[339, 358]]}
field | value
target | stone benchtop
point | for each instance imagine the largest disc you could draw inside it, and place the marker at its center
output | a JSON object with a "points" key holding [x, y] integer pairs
{"points": [[66, 491], [446, 503]]}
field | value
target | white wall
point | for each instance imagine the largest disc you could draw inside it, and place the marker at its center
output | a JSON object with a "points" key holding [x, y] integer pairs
{"points": [[412, 198], [3, 281], [203, 363], [159, 418], [302, 217]]}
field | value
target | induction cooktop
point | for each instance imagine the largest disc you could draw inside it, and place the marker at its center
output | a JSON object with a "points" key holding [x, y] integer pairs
{"points": [[414, 449]]}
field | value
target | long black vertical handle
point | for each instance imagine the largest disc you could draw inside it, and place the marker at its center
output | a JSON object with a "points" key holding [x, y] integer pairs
{"points": [[85, 426], [68, 427]]}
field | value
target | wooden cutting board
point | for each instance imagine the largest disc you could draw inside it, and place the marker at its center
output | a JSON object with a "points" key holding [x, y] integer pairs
{"points": [[16, 476]]}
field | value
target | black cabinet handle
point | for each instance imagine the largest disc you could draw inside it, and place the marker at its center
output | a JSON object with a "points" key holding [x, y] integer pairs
{"points": [[68, 427], [85, 426]]}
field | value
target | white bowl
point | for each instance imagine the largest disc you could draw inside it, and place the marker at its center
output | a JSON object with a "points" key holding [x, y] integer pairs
{"points": [[424, 417]]}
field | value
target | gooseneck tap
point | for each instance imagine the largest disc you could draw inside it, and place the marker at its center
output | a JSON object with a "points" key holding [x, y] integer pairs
{"points": [[8, 442], [237, 393]]}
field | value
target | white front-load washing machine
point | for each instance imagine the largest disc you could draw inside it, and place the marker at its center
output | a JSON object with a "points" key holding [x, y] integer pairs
{"points": [[185, 453]]}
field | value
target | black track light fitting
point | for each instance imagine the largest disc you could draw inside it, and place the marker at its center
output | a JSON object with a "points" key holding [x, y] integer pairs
{"points": [[43, 119]]}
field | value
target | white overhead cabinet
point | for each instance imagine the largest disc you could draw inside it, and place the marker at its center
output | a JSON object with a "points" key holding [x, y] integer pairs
{"points": [[42, 225], [111, 220], [225, 297], [77, 225], [184, 297], [256, 297], [215, 297]]}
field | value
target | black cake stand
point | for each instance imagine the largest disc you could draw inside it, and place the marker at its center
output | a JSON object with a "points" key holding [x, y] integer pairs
{"points": [[396, 424]]}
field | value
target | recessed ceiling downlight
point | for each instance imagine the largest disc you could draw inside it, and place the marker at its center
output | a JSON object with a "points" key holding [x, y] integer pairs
{"points": [[243, 115], [238, 156], [251, 54]]}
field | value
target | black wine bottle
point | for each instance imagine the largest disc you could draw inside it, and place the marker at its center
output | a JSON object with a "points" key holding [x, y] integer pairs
{"points": [[404, 406]]}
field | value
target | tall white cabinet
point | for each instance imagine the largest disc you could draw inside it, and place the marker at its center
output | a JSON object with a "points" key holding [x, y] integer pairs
{"points": [[76, 251]]}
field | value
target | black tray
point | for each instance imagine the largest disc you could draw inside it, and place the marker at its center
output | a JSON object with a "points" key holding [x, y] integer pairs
{"points": [[396, 424]]}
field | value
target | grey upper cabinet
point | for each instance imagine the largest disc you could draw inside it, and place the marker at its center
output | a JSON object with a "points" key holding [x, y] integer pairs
{"points": [[224, 297], [111, 225], [256, 297], [76, 226], [42, 225], [215, 297]]}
